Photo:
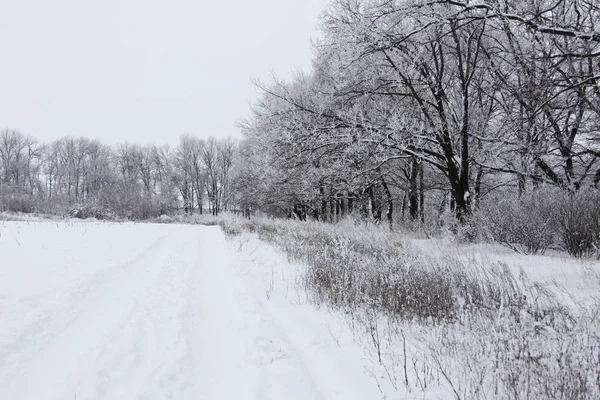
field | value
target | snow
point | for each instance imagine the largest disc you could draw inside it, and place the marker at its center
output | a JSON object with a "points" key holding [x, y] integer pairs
{"points": [[574, 281], [92, 310], [99, 310]]}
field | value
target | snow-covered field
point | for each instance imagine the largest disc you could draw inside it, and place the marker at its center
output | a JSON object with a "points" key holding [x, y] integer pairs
{"points": [[97, 310], [93, 310]]}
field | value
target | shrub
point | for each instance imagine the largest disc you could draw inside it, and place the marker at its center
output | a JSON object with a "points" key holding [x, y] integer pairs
{"points": [[14, 199], [85, 211], [20, 203], [164, 219], [542, 219], [579, 216], [526, 225]]}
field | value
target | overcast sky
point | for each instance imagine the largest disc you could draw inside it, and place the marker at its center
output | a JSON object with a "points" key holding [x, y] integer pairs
{"points": [[144, 71]]}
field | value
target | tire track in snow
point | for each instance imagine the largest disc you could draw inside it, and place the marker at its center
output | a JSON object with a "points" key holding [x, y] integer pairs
{"points": [[69, 349], [175, 322], [249, 357], [30, 338]]}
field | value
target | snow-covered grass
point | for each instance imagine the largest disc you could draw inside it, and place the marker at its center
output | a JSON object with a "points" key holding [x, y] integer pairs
{"points": [[108, 310], [29, 217], [198, 219], [448, 320]]}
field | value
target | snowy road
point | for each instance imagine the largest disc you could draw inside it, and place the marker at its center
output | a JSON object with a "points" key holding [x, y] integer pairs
{"points": [[131, 311]]}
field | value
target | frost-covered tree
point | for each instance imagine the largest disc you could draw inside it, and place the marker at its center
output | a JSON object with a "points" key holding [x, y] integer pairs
{"points": [[477, 92]]}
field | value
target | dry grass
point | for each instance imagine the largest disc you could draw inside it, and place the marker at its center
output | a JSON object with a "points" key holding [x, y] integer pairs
{"points": [[484, 333]]}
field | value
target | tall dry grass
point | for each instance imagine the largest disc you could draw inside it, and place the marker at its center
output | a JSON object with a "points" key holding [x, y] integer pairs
{"points": [[483, 332]]}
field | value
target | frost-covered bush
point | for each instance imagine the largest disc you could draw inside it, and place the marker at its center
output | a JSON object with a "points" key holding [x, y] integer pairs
{"points": [[526, 224], [166, 219], [195, 219], [20, 203], [15, 200], [545, 218], [146, 208], [579, 217], [85, 211]]}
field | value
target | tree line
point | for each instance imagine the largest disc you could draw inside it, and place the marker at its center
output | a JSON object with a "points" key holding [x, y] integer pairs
{"points": [[421, 107], [85, 177], [412, 110]]}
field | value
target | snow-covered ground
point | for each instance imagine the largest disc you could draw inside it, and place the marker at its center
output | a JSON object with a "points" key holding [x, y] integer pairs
{"points": [[94, 310], [575, 281]]}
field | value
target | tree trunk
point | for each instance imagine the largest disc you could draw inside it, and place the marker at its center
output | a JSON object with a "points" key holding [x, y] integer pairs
{"points": [[324, 208], [413, 192], [421, 193], [404, 204], [371, 203], [521, 184], [331, 208], [478, 179], [390, 203]]}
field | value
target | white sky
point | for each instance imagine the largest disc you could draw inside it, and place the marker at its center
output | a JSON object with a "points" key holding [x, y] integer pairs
{"points": [[144, 71]]}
